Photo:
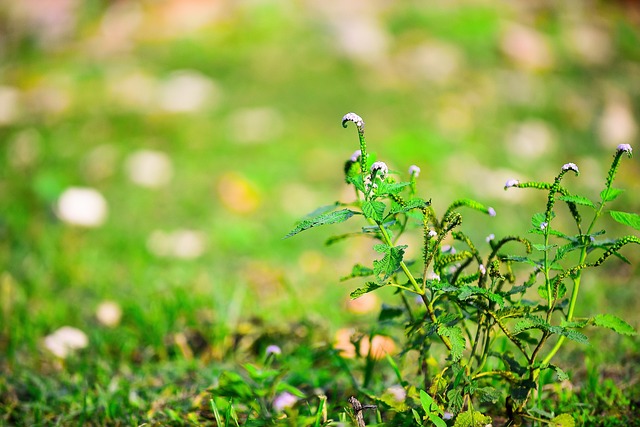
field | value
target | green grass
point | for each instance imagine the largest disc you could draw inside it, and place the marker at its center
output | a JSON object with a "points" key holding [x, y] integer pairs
{"points": [[249, 288]]}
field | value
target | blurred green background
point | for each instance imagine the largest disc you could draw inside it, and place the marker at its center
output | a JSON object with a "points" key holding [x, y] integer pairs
{"points": [[193, 133]]}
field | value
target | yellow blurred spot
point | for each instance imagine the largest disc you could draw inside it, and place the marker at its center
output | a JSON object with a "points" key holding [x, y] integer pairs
{"points": [[237, 194]]}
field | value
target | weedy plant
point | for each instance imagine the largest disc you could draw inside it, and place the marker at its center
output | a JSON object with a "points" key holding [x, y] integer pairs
{"points": [[499, 324]]}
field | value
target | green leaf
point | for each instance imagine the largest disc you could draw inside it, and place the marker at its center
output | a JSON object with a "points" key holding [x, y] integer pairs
{"points": [[542, 248], [610, 195], [573, 335], [454, 396], [373, 209], [630, 219], [358, 270], [388, 313], [562, 375], [488, 394], [562, 420], [428, 404], [578, 200], [368, 287], [455, 335], [390, 188], [415, 203], [537, 219], [614, 323], [390, 263], [471, 419], [322, 219]]}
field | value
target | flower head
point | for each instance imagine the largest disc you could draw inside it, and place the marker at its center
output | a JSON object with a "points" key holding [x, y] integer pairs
{"points": [[380, 168], [626, 148], [511, 183], [353, 117], [570, 166], [491, 211], [273, 349], [356, 155], [284, 400], [414, 170]]}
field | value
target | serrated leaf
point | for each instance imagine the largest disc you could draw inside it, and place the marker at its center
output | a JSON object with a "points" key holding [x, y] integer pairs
{"points": [[562, 375], [614, 323], [415, 203], [488, 394], [390, 263], [531, 322], [388, 313], [373, 209], [630, 219], [562, 420], [573, 335], [455, 335], [610, 195], [358, 270], [390, 188], [322, 219], [578, 200], [454, 396], [368, 287]]}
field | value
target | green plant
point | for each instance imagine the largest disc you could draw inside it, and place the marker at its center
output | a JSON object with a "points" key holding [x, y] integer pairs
{"points": [[496, 331]]}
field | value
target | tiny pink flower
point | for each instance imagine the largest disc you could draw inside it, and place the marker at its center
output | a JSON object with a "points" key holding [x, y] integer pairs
{"points": [[490, 237], [356, 155], [432, 233], [353, 117], [414, 170], [273, 349], [570, 166], [381, 168], [625, 148], [284, 400], [482, 269], [543, 225], [511, 183], [491, 211]]}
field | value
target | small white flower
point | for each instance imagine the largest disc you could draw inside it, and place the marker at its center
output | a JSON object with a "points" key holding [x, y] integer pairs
{"points": [[448, 249], [356, 155], [625, 148], [84, 207], [284, 400], [353, 117], [490, 237], [511, 183], [482, 269], [381, 169], [570, 166], [273, 349], [432, 233], [65, 340], [491, 211], [414, 170], [543, 225], [433, 276], [398, 392]]}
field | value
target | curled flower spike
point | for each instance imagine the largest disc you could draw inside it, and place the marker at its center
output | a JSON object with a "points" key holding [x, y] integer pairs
{"points": [[353, 117], [626, 148], [380, 168], [570, 166], [356, 155], [490, 237], [414, 171], [511, 183], [491, 212]]}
